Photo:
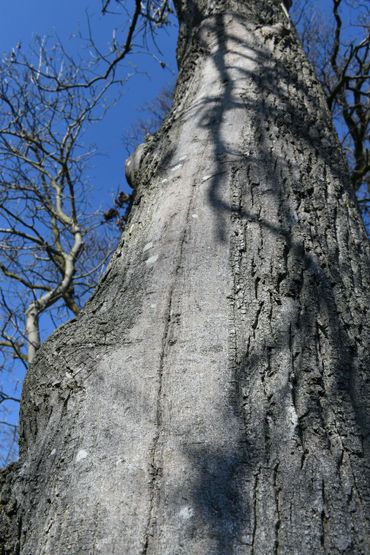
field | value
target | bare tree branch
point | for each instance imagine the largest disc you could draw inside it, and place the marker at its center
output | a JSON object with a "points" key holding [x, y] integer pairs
{"points": [[44, 226]]}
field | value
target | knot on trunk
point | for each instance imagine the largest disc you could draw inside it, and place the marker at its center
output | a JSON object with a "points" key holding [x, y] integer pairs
{"points": [[132, 166]]}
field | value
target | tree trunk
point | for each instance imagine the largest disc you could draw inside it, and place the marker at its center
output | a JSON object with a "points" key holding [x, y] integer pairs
{"points": [[213, 396]]}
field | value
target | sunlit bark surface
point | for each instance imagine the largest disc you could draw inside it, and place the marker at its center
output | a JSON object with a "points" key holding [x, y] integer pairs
{"points": [[213, 396]]}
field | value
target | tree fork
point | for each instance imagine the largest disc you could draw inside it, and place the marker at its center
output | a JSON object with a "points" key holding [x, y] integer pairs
{"points": [[213, 396]]}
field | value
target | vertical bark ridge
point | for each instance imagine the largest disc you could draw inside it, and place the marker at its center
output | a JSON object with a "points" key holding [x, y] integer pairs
{"points": [[307, 262], [156, 458]]}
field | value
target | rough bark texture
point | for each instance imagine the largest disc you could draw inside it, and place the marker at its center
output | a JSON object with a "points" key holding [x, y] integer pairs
{"points": [[213, 397]]}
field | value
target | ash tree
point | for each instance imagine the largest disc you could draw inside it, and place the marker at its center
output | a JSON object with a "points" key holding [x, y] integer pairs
{"points": [[213, 395], [42, 181]]}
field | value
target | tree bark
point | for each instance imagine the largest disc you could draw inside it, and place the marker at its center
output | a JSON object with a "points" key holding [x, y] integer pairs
{"points": [[213, 396]]}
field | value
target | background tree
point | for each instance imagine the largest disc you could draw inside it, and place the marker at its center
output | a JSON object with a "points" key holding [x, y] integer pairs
{"points": [[339, 49], [52, 247], [154, 114]]}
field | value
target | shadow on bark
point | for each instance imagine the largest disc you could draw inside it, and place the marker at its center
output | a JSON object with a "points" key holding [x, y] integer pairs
{"points": [[218, 496], [327, 378]]}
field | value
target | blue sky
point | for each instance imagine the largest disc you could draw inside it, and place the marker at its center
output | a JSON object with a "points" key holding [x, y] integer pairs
{"points": [[21, 20]]}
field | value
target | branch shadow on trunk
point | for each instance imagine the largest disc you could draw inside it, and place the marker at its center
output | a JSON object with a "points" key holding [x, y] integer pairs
{"points": [[336, 382]]}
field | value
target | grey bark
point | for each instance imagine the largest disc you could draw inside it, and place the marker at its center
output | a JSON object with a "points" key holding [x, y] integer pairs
{"points": [[213, 396]]}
